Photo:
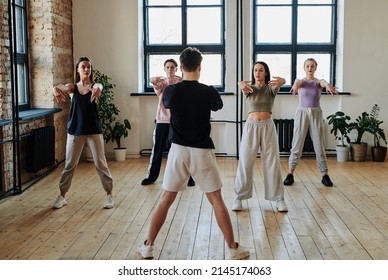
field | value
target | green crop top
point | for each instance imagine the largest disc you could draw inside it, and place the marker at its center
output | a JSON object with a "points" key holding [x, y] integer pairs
{"points": [[261, 99]]}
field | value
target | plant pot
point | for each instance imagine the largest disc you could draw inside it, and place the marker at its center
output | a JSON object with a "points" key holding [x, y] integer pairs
{"points": [[379, 153], [120, 154], [358, 151], [342, 153]]}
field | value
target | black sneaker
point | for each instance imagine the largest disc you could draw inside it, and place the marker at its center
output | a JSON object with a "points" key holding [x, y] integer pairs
{"points": [[289, 180], [146, 182], [191, 182], [326, 181]]}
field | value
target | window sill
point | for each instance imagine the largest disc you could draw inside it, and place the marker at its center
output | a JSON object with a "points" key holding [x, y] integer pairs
{"points": [[5, 122], [37, 113]]}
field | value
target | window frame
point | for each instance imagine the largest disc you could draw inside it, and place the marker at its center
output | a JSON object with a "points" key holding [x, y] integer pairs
{"points": [[294, 48], [20, 57], [176, 49]]}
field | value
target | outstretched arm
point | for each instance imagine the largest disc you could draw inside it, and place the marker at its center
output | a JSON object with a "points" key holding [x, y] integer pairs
{"points": [[61, 92], [329, 88], [159, 83], [245, 86], [155, 80], [277, 82], [96, 92], [295, 87]]}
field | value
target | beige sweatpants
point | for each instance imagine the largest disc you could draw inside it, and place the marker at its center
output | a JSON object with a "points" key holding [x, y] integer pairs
{"points": [[259, 136], [74, 147], [308, 119]]}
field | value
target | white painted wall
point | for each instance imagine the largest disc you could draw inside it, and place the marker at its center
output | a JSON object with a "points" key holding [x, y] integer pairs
{"points": [[109, 33], [365, 58]]}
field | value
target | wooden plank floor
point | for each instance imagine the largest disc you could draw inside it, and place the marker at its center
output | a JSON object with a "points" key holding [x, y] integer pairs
{"points": [[348, 221]]}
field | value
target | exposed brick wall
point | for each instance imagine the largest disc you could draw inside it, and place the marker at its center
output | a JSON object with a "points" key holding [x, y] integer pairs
{"points": [[5, 99], [51, 62], [5, 93], [62, 41], [51, 52]]}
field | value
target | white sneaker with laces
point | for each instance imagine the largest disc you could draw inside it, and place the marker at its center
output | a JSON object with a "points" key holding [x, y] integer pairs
{"points": [[238, 253], [281, 206], [146, 251], [60, 202], [108, 204], [237, 205]]}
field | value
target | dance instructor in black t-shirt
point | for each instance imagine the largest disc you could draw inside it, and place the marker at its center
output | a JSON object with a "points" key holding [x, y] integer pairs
{"points": [[83, 126]]}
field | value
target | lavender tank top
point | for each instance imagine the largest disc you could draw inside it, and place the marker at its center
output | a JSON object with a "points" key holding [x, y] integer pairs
{"points": [[310, 94]]}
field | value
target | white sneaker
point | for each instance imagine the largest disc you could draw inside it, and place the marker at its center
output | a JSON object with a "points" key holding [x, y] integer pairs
{"points": [[146, 251], [281, 206], [238, 253], [237, 205], [60, 202], [108, 204]]}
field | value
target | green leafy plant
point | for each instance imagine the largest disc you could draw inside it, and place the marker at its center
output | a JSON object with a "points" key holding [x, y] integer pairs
{"points": [[362, 124], [117, 131], [113, 130], [340, 127], [375, 129]]}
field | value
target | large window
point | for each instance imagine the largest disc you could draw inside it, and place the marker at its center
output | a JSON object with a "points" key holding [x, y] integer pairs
{"points": [[172, 25], [20, 52], [287, 32]]}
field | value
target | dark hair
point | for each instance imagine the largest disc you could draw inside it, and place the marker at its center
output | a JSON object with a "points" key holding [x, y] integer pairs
{"points": [[77, 76], [267, 72], [190, 59], [172, 61]]}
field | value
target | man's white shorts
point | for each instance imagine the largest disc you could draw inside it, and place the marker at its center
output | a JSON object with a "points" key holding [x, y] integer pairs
{"points": [[183, 162]]}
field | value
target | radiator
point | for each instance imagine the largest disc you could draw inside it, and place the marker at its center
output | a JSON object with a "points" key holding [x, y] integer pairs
{"points": [[41, 148], [285, 130]]}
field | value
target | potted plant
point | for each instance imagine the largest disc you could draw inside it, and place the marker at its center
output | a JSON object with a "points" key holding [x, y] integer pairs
{"points": [[378, 152], [115, 133], [340, 129], [358, 149], [113, 130]]}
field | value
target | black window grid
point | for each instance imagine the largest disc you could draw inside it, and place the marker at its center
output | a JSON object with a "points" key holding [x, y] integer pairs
{"points": [[176, 49], [294, 48]]}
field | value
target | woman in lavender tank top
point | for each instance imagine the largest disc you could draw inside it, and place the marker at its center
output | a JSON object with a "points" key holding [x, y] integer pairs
{"points": [[308, 117]]}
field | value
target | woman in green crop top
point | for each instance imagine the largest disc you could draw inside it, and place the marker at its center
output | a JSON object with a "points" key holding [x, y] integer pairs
{"points": [[260, 135]]}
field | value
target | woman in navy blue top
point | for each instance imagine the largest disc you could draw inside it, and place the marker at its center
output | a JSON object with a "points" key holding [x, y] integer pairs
{"points": [[83, 126]]}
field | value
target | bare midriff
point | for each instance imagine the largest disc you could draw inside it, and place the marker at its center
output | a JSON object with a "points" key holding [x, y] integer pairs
{"points": [[259, 116]]}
